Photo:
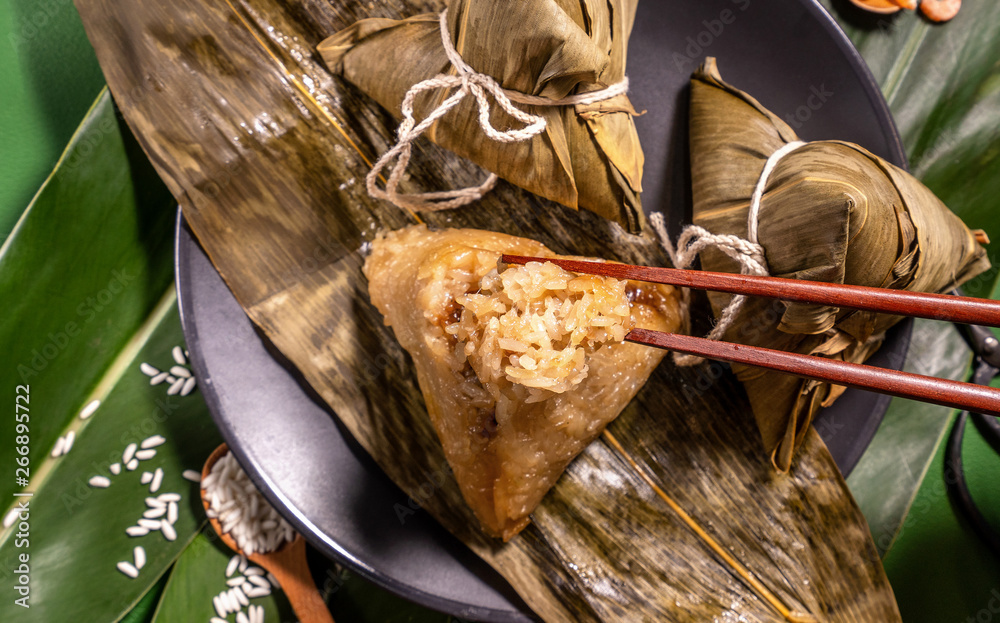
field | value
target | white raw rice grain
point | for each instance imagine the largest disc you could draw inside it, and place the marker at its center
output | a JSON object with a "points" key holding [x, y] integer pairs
{"points": [[170, 379], [57, 449], [100, 482], [146, 478], [258, 581], [136, 531], [180, 372], [132, 465], [157, 502], [147, 369], [190, 474], [10, 517], [257, 592], [115, 468], [149, 524], [139, 556], [243, 564], [89, 409], [157, 481], [230, 601], [172, 512], [128, 569], [254, 571], [154, 513], [241, 617], [240, 597], [220, 608], [256, 614], [188, 386], [178, 354], [217, 619], [70, 438], [145, 455], [168, 531], [241, 509], [175, 387], [231, 567], [235, 580], [169, 497], [129, 453], [159, 378], [152, 442]]}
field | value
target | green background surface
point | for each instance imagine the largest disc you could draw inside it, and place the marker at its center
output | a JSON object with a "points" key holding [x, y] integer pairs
{"points": [[939, 570]]}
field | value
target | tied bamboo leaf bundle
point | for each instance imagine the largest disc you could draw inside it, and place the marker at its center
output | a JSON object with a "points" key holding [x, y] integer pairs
{"points": [[831, 211], [588, 155]]}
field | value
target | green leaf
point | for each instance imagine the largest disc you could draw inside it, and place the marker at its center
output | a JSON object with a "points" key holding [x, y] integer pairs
{"points": [[83, 269], [50, 77], [144, 610], [942, 83], [87, 276], [77, 532], [200, 575]]}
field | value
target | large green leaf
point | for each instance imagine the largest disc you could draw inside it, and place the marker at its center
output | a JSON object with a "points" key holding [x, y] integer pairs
{"points": [[86, 278], [50, 77], [83, 269], [200, 575], [942, 83]]}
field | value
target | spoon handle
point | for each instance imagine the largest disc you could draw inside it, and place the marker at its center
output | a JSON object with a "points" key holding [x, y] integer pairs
{"points": [[290, 568]]}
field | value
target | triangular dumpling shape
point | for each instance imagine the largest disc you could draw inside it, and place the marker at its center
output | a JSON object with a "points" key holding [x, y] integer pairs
{"points": [[518, 371]]}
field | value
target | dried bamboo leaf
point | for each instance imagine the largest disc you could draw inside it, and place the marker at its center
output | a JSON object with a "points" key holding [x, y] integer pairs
{"points": [[263, 149], [573, 48], [831, 211]]}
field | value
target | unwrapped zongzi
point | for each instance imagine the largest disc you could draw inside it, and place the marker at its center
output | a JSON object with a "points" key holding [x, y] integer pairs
{"points": [[520, 369]]}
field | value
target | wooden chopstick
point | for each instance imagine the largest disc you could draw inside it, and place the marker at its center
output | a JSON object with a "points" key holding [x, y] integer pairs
{"points": [[956, 394], [883, 300]]}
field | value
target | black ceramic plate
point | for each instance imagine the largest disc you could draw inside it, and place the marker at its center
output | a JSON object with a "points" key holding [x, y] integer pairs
{"points": [[789, 54]]}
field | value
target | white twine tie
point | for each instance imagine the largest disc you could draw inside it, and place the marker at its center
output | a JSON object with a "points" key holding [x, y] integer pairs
{"points": [[748, 253], [467, 81]]}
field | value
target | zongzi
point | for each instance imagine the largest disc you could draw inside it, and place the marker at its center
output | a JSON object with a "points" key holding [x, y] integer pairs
{"points": [[520, 369], [588, 155], [830, 211]]}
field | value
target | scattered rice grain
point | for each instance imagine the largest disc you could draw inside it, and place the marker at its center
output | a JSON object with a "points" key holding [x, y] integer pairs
{"points": [[89, 409], [157, 480], [10, 517], [241, 617], [115, 468], [154, 513], [220, 608], [193, 476], [136, 531], [235, 580], [231, 567], [240, 597], [172, 512], [178, 354], [159, 378], [132, 465], [70, 438], [175, 387], [189, 386], [101, 482], [129, 453], [145, 455], [180, 372], [152, 442], [147, 369], [169, 497], [146, 478], [139, 556], [156, 502], [128, 569], [168, 531], [57, 449], [149, 524]]}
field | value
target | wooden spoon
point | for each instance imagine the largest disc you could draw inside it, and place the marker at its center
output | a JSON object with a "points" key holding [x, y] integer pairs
{"points": [[287, 564]]}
